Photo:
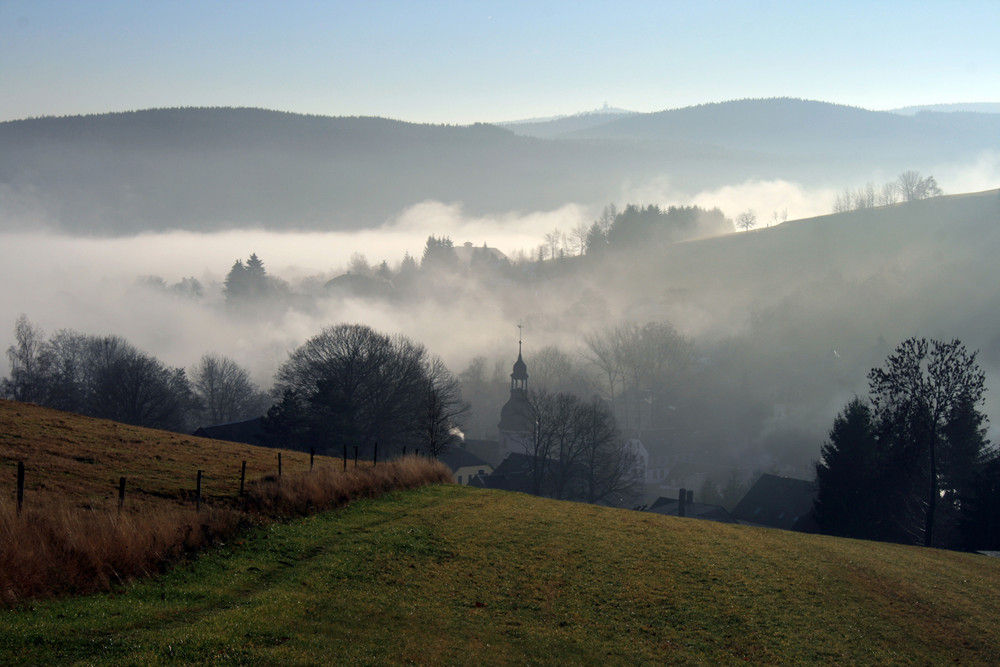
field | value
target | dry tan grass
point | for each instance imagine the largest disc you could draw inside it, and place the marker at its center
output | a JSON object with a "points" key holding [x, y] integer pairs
{"points": [[330, 486], [67, 550], [70, 538], [56, 550]]}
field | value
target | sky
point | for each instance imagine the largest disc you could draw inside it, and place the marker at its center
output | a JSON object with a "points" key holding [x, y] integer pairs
{"points": [[485, 61]]}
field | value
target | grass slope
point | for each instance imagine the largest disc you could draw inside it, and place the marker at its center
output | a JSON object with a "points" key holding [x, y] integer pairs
{"points": [[451, 575], [75, 460]]}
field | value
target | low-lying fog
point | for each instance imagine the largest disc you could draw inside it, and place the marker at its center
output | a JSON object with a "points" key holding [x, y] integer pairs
{"points": [[92, 284], [101, 286]]}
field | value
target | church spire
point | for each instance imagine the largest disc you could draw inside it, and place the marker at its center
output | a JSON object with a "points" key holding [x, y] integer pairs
{"points": [[519, 376]]}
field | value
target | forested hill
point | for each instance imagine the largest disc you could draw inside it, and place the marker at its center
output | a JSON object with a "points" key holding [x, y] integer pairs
{"points": [[209, 169], [802, 127], [213, 168]]}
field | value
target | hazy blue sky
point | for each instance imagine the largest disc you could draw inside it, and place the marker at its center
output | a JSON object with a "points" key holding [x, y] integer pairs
{"points": [[460, 62]]}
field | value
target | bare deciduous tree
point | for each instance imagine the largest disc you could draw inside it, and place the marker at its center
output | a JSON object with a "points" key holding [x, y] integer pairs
{"points": [[865, 197], [844, 202], [225, 391], [578, 237], [440, 418], [913, 186], [27, 373], [641, 361], [889, 194], [553, 241], [746, 220], [354, 386]]}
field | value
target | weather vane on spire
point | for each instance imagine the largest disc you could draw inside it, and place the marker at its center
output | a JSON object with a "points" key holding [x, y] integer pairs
{"points": [[519, 327]]}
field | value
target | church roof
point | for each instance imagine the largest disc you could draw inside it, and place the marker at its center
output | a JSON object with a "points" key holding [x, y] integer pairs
{"points": [[520, 368]]}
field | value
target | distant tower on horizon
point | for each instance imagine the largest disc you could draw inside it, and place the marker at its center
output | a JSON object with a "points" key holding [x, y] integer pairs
{"points": [[515, 417]]}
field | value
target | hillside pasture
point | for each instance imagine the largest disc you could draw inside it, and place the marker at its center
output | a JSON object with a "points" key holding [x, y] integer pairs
{"points": [[70, 536], [452, 575], [77, 461]]}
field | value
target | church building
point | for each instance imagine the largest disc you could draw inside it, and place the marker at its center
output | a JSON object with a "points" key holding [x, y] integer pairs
{"points": [[516, 425]]}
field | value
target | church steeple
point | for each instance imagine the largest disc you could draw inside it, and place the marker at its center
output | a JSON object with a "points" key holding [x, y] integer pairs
{"points": [[515, 416], [519, 376]]}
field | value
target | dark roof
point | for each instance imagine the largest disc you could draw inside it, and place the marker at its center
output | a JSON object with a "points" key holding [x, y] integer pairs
{"points": [[515, 463], [466, 251], [248, 431], [458, 457], [513, 474], [778, 502], [488, 450], [670, 507]]}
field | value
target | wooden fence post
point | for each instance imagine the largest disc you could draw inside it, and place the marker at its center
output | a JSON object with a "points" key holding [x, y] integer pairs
{"points": [[243, 476], [345, 456], [121, 493], [355, 456], [312, 455], [279, 465], [20, 485], [375, 455], [197, 494]]}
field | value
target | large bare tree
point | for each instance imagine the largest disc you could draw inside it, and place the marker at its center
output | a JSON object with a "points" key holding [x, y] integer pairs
{"points": [[225, 391], [442, 409], [27, 380], [912, 186]]}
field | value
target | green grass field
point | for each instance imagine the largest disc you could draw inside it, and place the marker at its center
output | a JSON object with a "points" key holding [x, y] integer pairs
{"points": [[451, 575]]}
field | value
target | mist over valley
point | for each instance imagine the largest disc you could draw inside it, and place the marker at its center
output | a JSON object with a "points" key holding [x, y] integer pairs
{"points": [[108, 221]]}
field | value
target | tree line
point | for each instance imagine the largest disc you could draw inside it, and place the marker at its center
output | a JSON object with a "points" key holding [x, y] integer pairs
{"points": [[349, 386], [908, 186], [910, 463]]}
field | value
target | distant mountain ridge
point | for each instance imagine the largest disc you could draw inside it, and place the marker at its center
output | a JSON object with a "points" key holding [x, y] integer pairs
{"points": [[557, 125], [959, 107], [204, 169], [803, 127]]}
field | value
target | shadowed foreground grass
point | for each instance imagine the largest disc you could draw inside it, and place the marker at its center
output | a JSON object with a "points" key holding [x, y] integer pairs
{"points": [[57, 550], [451, 575]]}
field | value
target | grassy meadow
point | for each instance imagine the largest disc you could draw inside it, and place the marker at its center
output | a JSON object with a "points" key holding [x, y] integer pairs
{"points": [[450, 575], [75, 460], [70, 536]]}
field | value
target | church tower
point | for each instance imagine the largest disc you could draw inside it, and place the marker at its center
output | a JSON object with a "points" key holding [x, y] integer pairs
{"points": [[515, 417]]}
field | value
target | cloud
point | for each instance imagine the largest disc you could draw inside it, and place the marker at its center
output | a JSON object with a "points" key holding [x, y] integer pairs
{"points": [[982, 174], [510, 232], [767, 198]]}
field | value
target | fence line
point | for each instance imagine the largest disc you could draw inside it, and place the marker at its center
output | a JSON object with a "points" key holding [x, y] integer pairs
{"points": [[198, 481]]}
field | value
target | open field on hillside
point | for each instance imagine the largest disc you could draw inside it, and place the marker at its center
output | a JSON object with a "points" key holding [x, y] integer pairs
{"points": [[69, 537], [452, 575], [77, 460]]}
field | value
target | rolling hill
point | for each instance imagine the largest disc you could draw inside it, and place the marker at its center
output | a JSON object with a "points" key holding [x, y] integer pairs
{"points": [[808, 128], [72, 533], [788, 320], [449, 574], [211, 169], [453, 575], [76, 461]]}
